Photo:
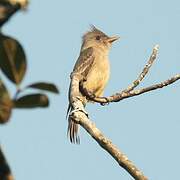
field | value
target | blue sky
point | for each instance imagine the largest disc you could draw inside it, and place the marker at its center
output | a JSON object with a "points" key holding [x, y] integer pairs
{"points": [[146, 128]]}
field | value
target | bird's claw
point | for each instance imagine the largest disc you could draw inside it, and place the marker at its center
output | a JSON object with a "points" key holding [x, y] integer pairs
{"points": [[106, 103], [89, 94]]}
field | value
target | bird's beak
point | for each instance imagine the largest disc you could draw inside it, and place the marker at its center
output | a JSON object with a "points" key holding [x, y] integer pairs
{"points": [[113, 38]]}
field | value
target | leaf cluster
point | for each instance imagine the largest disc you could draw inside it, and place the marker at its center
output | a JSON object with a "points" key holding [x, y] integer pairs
{"points": [[13, 64]]}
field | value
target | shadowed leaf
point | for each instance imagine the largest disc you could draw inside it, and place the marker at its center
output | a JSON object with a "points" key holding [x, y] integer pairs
{"points": [[5, 104], [44, 86], [32, 101], [12, 59]]}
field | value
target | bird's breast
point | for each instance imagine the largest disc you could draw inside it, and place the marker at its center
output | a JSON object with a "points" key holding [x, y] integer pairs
{"points": [[98, 76]]}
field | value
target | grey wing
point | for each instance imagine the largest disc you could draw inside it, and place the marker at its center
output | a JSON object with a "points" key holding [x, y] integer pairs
{"points": [[83, 65], [84, 62]]}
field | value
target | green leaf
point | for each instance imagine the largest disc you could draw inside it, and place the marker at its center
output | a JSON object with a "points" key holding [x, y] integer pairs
{"points": [[5, 104], [12, 59], [44, 86], [32, 101]]}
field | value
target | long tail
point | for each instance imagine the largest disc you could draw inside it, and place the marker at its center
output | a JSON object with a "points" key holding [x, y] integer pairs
{"points": [[73, 127]]}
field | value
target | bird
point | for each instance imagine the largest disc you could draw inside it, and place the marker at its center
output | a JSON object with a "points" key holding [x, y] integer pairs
{"points": [[93, 65]]}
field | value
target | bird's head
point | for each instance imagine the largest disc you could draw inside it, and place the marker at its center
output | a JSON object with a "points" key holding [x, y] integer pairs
{"points": [[96, 38]]}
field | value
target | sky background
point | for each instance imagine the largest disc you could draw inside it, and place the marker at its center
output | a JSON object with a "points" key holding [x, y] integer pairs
{"points": [[146, 128]]}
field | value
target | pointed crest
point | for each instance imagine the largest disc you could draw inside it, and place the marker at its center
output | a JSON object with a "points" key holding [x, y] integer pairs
{"points": [[93, 30]]}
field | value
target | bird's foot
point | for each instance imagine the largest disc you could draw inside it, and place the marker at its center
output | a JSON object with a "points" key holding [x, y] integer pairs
{"points": [[90, 95], [106, 103]]}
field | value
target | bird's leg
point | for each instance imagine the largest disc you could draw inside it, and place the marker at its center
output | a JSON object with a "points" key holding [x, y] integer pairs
{"points": [[90, 95]]}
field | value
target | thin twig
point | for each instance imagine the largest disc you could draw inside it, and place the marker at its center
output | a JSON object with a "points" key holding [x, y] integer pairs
{"points": [[104, 100], [129, 91], [144, 71], [123, 95], [125, 92]]}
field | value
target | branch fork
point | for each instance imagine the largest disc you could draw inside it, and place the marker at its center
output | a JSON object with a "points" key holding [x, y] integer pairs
{"points": [[81, 117]]}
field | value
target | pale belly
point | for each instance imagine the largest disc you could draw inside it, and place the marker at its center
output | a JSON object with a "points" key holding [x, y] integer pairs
{"points": [[97, 78]]}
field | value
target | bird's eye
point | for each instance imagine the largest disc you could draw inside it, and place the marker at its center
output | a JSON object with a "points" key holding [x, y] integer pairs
{"points": [[98, 38]]}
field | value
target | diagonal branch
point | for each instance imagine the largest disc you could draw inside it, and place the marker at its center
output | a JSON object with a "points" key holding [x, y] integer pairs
{"points": [[5, 172], [107, 145], [79, 115]]}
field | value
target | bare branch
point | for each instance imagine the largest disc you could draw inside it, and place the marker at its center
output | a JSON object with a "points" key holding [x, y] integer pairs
{"points": [[106, 144], [131, 87], [5, 172], [79, 115], [129, 91], [144, 71], [123, 95]]}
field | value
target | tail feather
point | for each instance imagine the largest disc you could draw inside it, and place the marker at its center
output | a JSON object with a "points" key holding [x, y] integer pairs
{"points": [[73, 127], [73, 132]]}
